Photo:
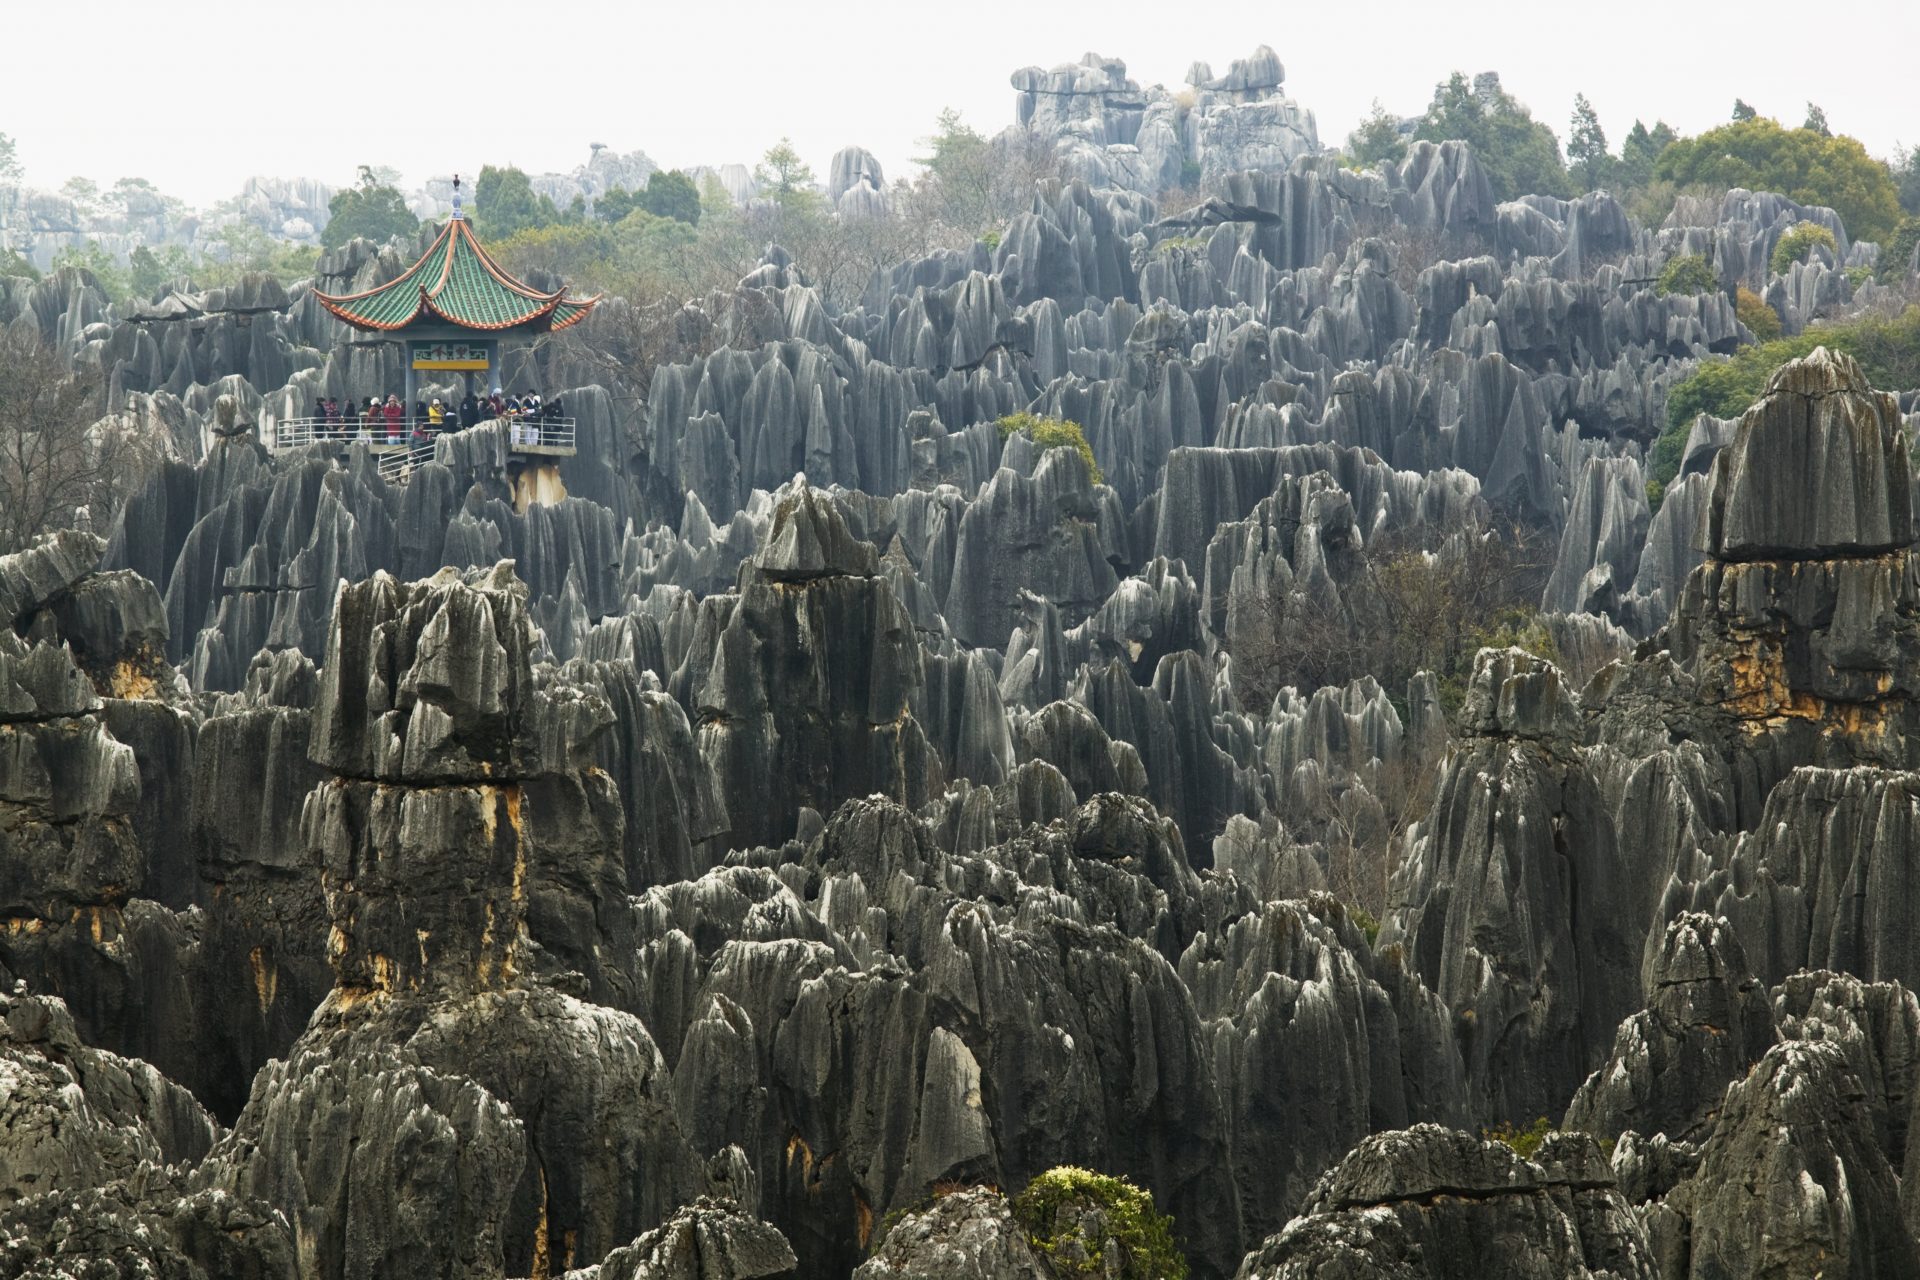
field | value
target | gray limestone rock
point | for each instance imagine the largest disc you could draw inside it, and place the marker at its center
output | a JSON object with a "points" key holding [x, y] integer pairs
{"points": [[1792, 1181], [1429, 1203], [1818, 468], [967, 1234], [705, 1240], [1707, 1022]]}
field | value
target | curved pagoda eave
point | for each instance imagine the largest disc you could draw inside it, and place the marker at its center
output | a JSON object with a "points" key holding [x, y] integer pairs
{"points": [[457, 283]]}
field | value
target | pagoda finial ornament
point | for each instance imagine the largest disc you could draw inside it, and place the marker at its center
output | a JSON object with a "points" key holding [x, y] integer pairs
{"points": [[456, 197]]}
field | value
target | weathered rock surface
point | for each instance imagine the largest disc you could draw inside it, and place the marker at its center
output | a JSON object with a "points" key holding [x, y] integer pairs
{"points": [[1432, 1202]]}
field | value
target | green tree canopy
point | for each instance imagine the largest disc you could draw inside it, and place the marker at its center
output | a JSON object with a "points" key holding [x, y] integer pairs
{"points": [[1817, 120], [1377, 139], [1641, 147], [1741, 111], [504, 202], [373, 210], [671, 194], [783, 176], [1587, 154], [1687, 274], [1521, 156], [9, 159], [1801, 164], [147, 271], [1906, 177]]}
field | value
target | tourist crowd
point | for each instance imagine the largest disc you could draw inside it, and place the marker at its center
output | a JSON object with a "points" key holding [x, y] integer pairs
{"points": [[390, 422]]}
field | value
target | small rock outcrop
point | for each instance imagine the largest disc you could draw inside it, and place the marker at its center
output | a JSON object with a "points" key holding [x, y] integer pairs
{"points": [[1429, 1203]]}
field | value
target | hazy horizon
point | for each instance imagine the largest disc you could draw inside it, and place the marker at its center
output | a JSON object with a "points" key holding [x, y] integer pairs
{"points": [[862, 72]]}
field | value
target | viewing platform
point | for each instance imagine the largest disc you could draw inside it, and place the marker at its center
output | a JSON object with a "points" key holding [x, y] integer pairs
{"points": [[550, 436], [398, 455]]}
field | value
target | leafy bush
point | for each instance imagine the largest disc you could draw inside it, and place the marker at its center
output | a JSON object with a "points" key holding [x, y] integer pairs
{"points": [[1762, 320], [1689, 273], [1052, 433], [1367, 922], [1896, 256], [1888, 349], [1798, 244], [1801, 164], [1524, 1141], [1054, 1207], [1857, 276]]}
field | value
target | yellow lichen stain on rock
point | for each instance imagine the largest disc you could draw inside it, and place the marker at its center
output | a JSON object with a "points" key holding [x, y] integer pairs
{"points": [[863, 1216], [131, 680], [421, 936], [569, 1243], [518, 893], [485, 973], [266, 978], [1759, 680], [542, 1248], [797, 1145], [538, 485], [17, 925], [347, 999]]}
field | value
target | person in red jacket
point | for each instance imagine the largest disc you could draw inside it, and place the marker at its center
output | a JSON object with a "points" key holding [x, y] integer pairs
{"points": [[395, 413]]}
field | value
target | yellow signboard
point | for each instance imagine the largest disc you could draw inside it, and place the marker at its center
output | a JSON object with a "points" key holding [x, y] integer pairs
{"points": [[450, 355]]}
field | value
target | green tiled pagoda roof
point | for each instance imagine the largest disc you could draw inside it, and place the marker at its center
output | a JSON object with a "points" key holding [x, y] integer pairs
{"points": [[458, 282]]}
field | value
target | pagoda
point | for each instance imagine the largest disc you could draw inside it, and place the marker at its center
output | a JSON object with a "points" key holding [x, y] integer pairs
{"points": [[452, 307]]}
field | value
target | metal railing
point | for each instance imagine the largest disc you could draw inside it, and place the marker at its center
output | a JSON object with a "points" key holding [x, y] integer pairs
{"points": [[522, 433], [397, 468], [540, 433]]}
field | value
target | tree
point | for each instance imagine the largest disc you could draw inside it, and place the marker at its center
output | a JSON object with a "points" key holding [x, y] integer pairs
{"points": [[1521, 156], [1800, 164], [89, 256], [1817, 120], [373, 210], [504, 202], [973, 184], [1587, 145], [1377, 140], [1906, 177], [9, 159], [85, 194], [148, 272], [671, 194], [1687, 274], [1742, 112], [1638, 152], [783, 176], [55, 455]]}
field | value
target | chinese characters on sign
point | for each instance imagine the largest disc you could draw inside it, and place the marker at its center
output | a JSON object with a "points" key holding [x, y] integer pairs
{"points": [[450, 355]]}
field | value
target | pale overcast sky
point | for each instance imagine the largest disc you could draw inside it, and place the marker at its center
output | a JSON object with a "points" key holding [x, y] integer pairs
{"points": [[198, 96]]}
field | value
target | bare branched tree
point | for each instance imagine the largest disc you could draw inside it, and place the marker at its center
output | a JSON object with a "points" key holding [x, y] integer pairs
{"points": [[58, 456], [1406, 608]]}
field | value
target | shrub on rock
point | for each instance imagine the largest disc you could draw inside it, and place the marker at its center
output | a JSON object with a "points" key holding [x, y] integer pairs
{"points": [[1073, 1217], [1687, 274], [1798, 245]]}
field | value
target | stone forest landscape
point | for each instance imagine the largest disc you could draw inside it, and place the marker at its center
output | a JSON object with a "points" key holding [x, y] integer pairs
{"points": [[1167, 689]]}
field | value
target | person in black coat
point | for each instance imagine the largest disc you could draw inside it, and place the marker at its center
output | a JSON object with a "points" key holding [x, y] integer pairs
{"points": [[469, 412]]}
